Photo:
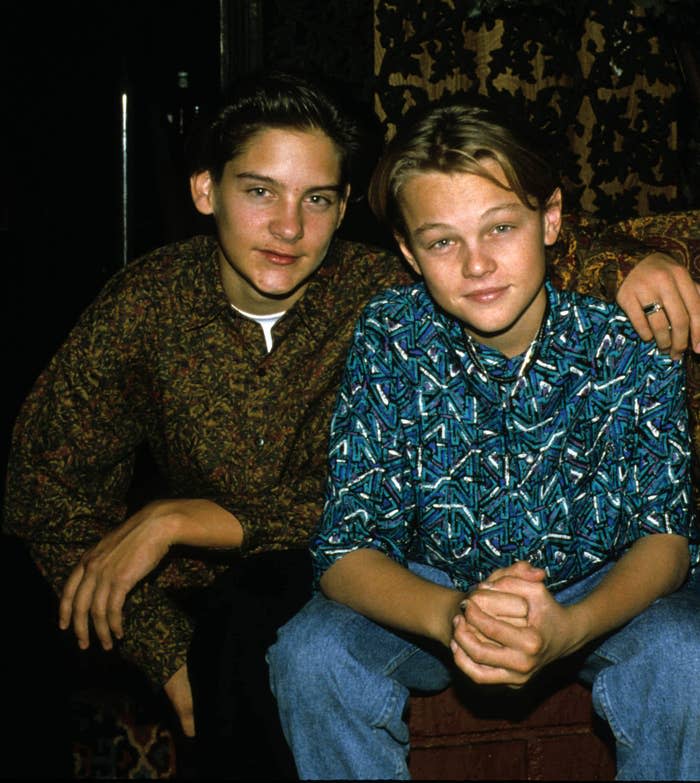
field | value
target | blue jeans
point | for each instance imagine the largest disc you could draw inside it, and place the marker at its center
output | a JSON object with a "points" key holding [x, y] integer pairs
{"points": [[342, 683]]}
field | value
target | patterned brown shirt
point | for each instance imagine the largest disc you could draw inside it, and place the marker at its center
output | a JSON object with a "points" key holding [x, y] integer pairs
{"points": [[161, 359]]}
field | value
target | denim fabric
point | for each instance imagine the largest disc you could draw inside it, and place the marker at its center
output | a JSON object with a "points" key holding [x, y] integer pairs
{"points": [[342, 682]]}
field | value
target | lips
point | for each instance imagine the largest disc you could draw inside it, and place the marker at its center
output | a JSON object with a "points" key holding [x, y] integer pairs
{"points": [[486, 295], [275, 257]]}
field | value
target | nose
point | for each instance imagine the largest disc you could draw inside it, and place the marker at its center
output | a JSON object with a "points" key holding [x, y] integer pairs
{"points": [[477, 261], [287, 222]]}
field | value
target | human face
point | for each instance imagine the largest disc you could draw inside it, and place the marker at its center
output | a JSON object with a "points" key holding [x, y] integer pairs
{"points": [[481, 252], [276, 208]]}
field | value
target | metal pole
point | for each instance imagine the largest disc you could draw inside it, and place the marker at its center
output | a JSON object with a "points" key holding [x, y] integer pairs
{"points": [[125, 179]]}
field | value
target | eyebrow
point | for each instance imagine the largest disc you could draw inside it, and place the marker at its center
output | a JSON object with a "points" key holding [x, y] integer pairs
{"points": [[262, 178], [424, 227]]}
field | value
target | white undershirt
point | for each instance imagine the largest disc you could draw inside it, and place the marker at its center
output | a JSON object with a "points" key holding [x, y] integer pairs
{"points": [[265, 321]]}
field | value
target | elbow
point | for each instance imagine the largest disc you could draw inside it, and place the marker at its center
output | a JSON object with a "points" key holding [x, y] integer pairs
{"points": [[331, 581], [681, 562]]}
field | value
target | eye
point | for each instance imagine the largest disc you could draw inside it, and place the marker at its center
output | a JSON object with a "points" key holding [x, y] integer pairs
{"points": [[440, 244], [258, 192], [321, 200], [502, 228]]}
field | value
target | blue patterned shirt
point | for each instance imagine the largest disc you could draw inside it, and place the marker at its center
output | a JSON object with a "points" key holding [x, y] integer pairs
{"points": [[566, 466]]}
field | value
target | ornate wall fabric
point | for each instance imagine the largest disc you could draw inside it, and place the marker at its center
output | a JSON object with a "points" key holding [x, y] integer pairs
{"points": [[595, 76]]}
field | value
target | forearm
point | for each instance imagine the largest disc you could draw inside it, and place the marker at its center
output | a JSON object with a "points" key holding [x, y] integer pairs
{"points": [[195, 523], [654, 566], [607, 253], [280, 521], [374, 585]]}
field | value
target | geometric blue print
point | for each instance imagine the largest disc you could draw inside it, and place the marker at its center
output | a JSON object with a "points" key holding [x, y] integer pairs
{"points": [[432, 459]]}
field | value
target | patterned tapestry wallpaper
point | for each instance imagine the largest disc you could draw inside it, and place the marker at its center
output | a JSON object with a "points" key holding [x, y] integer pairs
{"points": [[600, 77], [604, 86]]}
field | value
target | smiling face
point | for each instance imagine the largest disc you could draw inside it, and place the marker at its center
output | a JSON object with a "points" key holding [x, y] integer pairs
{"points": [[481, 252], [276, 207]]}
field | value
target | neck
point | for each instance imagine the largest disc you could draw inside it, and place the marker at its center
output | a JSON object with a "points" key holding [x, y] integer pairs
{"points": [[519, 336], [530, 353]]}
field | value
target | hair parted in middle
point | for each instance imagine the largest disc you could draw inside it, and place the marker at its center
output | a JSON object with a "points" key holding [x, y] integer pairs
{"points": [[455, 137]]}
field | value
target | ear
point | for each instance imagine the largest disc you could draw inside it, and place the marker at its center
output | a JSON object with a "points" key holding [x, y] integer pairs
{"points": [[552, 217], [407, 254], [202, 190], [342, 206]]}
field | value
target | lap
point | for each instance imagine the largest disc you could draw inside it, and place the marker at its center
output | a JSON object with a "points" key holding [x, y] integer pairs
{"points": [[666, 632], [327, 634]]}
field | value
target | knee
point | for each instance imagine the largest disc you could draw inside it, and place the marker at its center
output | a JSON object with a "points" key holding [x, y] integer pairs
{"points": [[669, 645], [678, 653], [305, 651]]}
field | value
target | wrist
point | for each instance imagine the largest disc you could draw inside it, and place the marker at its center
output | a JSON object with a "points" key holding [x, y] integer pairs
{"points": [[444, 629], [579, 627], [166, 521]]}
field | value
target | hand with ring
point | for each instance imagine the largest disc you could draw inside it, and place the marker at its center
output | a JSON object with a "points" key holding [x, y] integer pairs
{"points": [[662, 302], [651, 308]]}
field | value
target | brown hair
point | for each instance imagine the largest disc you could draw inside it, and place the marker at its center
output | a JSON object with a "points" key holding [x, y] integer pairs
{"points": [[456, 137], [271, 100]]}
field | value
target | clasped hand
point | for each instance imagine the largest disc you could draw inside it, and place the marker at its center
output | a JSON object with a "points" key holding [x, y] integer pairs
{"points": [[510, 627]]}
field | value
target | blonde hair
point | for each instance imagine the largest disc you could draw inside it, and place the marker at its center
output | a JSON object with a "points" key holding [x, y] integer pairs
{"points": [[457, 137]]}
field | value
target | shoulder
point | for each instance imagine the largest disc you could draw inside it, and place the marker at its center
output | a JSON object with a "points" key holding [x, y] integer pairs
{"points": [[179, 277], [170, 285], [169, 265], [400, 304], [400, 320], [601, 336], [367, 266]]}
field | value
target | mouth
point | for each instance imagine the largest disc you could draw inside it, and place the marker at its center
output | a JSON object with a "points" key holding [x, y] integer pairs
{"points": [[486, 295], [278, 258]]}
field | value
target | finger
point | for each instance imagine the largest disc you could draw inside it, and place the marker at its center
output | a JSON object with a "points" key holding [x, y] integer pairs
{"points": [[522, 642], [695, 318], [498, 603], [114, 611], [65, 607], [518, 622], [660, 321], [479, 673], [521, 568], [632, 305], [179, 691], [98, 613], [687, 326], [488, 661], [81, 607]]}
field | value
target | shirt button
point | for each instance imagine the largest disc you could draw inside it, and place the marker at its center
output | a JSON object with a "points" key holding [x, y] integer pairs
{"points": [[262, 372], [261, 441]]}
